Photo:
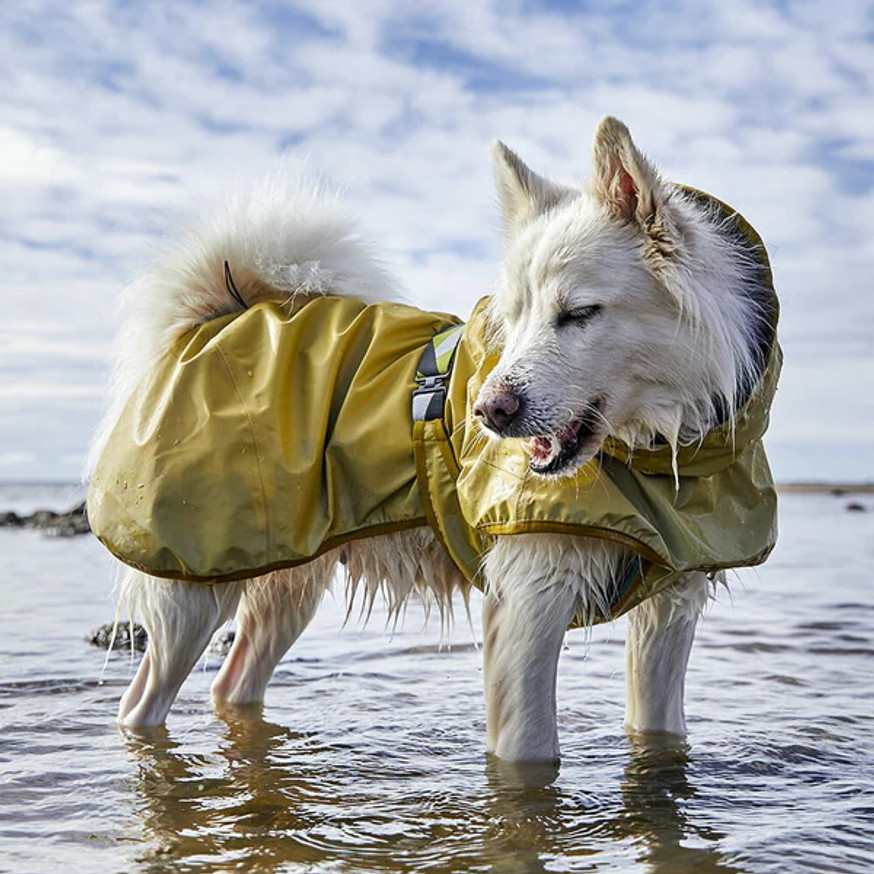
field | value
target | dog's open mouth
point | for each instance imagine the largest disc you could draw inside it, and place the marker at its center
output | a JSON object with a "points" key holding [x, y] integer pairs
{"points": [[554, 453]]}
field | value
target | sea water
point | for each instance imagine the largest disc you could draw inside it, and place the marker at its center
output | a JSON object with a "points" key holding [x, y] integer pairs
{"points": [[368, 752]]}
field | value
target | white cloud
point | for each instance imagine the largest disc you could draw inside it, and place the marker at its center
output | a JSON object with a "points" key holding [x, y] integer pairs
{"points": [[23, 160]]}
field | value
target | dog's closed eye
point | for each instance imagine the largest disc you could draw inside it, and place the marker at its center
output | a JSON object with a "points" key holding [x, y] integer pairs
{"points": [[579, 315]]}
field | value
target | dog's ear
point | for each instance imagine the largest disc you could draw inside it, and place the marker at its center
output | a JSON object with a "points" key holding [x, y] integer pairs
{"points": [[523, 193], [631, 188], [623, 179]]}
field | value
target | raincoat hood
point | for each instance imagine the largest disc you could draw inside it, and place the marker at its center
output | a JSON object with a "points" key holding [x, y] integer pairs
{"points": [[265, 438]]}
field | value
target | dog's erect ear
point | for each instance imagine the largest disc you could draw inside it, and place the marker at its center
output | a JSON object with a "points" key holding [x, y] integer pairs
{"points": [[623, 179], [631, 188], [523, 193]]}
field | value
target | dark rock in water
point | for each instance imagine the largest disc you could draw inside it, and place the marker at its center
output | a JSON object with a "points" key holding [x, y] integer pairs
{"points": [[103, 636], [856, 507], [41, 519], [10, 519], [67, 524], [220, 645]]}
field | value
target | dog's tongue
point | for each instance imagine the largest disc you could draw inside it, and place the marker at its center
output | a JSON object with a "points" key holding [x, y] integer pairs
{"points": [[543, 449]]}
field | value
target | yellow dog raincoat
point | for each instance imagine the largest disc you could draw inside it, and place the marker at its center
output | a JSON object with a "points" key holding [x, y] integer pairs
{"points": [[264, 438]]}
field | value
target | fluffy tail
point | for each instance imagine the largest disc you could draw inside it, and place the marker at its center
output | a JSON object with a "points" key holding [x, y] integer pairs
{"points": [[285, 238]]}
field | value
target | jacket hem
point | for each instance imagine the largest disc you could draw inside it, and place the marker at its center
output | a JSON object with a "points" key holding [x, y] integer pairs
{"points": [[261, 570]]}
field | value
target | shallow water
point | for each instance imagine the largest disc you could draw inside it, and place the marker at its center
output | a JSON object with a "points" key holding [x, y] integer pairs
{"points": [[367, 755]]}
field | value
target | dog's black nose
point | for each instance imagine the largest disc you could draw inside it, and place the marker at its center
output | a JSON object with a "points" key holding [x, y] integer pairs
{"points": [[497, 411]]}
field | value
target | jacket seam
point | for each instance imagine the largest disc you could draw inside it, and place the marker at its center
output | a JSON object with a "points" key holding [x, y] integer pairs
{"points": [[257, 445]]}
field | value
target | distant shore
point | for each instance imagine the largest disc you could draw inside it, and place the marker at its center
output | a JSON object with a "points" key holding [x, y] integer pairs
{"points": [[813, 487], [828, 488]]}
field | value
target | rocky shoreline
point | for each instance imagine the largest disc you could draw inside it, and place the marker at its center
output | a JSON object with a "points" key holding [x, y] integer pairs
{"points": [[66, 524]]}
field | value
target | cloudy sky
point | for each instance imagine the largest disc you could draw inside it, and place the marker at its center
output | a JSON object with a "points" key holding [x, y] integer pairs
{"points": [[117, 116]]}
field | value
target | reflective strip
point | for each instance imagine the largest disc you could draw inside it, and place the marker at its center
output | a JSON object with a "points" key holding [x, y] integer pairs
{"points": [[428, 403], [434, 369], [437, 357], [445, 345]]}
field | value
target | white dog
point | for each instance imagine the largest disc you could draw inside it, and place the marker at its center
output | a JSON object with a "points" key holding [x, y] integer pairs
{"points": [[636, 320]]}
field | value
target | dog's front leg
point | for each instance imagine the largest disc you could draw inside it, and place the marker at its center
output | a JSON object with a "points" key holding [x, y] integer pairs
{"points": [[526, 613], [660, 635]]}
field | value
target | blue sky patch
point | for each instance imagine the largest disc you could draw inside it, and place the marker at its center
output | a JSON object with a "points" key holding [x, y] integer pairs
{"points": [[478, 73]]}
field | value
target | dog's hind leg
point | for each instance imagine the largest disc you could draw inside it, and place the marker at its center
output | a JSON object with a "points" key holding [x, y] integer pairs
{"points": [[660, 635], [180, 619], [274, 610]]}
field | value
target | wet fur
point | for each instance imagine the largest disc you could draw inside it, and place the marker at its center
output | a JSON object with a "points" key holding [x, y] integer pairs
{"points": [[673, 344]]}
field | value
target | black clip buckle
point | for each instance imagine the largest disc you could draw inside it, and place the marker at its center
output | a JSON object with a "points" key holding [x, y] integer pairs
{"points": [[433, 389]]}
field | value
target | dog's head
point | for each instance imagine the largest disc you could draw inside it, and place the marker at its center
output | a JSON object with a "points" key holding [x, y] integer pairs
{"points": [[599, 318]]}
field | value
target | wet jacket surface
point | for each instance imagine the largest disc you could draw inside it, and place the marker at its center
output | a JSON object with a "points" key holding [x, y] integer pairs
{"points": [[262, 439]]}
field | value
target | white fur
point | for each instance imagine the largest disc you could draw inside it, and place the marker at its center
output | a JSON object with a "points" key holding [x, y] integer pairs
{"points": [[288, 237], [674, 331]]}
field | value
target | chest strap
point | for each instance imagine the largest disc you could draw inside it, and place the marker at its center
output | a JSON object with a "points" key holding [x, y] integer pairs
{"points": [[435, 368]]}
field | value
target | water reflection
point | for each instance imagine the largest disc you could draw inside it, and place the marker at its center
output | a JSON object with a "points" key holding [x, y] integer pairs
{"points": [[269, 798], [656, 797], [242, 806], [536, 822], [524, 814]]}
